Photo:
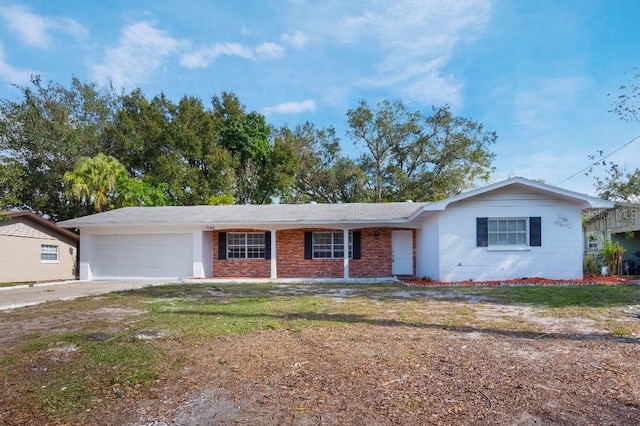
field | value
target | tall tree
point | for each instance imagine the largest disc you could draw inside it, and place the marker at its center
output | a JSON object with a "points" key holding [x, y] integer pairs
{"points": [[247, 137], [43, 134], [383, 131], [414, 156], [102, 183], [95, 181], [627, 104], [318, 169], [619, 184]]}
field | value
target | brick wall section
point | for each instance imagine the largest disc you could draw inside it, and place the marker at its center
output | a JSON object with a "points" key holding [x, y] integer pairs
{"points": [[376, 255], [239, 268], [375, 261], [291, 261]]}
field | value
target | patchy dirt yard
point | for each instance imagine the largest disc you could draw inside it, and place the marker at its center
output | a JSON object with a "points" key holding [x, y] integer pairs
{"points": [[365, 356]]}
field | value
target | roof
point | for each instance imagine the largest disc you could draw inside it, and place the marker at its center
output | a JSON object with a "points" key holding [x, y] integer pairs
{"points": [[587, 201], [266, 214], [47, 224], [292, 215]]}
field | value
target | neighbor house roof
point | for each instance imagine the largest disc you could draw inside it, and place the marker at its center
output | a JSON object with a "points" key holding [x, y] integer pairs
{"points": [[47, 224], [268, 214]]}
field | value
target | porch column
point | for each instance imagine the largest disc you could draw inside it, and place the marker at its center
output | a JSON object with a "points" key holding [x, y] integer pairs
{"points": [[345, 267], [197, 266], [274, 264], [85, 256]]}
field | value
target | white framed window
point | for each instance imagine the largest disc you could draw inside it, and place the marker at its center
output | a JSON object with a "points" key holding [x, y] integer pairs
{"points": [[330, 245], [592, 243], [507, 232], [245, 245], [48, 253]]}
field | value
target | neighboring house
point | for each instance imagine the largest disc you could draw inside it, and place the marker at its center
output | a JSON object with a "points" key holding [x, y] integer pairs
{"points": [[510, 229], [620, 223], [35, 249]]}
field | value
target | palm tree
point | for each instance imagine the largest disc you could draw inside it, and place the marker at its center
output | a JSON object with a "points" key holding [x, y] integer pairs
{"points": [[94, 181]]}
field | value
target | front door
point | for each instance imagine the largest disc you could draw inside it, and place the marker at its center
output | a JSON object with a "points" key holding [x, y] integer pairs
{"points": [[402, 252]]}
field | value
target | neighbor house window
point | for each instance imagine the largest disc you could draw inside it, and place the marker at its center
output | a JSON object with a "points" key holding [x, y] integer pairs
{"points": [[330, 245], [592, 243], [48, 253], [246, 245], [511, 232]]}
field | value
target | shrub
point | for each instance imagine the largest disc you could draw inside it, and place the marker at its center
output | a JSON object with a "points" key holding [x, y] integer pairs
{"points": [[613, 253]]}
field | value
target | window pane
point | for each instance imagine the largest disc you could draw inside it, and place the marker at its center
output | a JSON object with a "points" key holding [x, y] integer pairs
{"points": [[245, 245], [330, 245], [255, 239], [48, 253], [493, 239], [507, 232], [235, 253], [322, 238]]}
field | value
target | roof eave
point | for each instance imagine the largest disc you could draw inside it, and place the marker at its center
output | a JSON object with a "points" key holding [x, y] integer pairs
{"points": [[587, 201], [44, 222]]}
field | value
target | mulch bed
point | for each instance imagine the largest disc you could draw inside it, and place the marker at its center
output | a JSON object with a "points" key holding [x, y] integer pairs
{"points": [[534, 281]]}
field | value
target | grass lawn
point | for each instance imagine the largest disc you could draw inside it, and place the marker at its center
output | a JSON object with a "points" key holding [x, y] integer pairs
{"points": [[78, 361]]}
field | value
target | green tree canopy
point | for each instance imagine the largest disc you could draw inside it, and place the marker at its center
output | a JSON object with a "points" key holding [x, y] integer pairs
{"points": [[71, 151], [318, 169], [619, 184], [43, 134], [410, 155], [247, 137], [94, 181], [101, 183]]}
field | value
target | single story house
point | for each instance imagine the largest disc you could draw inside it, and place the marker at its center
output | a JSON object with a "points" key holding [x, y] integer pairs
{"points": [[510, 229], [35, 249]]}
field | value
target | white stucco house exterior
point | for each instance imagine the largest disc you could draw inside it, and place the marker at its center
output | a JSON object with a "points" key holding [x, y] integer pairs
{"points": [[510, 229]]}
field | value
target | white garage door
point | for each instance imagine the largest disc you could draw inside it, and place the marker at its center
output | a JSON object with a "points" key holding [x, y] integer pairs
{"points": [[142, 256]]}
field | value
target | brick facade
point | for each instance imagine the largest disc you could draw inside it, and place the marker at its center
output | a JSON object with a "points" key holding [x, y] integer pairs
{"points": [[375, 261]]}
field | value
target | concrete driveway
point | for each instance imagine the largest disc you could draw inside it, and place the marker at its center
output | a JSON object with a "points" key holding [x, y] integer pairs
{"points": [[23, 295]]}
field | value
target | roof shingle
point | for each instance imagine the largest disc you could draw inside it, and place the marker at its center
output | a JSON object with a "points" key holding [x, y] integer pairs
{"points": [[284, 214]]}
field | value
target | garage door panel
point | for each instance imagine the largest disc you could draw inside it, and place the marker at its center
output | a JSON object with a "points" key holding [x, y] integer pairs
{"points": [[143, 256]]}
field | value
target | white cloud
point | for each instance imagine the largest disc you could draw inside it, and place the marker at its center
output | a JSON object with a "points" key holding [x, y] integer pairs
{"points": [[546, 101], [203, 57], [291, 107], [298, 40], [140, 50], [10, 74], [34, 30], [269, 50], [411, 41]]}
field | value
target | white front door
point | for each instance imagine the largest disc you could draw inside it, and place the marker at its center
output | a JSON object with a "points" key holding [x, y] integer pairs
{"points": [[402, 252]]}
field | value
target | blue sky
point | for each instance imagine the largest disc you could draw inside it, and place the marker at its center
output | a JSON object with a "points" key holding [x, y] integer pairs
{"points": [[536, 72]]}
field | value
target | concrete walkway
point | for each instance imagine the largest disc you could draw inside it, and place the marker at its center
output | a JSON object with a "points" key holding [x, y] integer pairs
{"points": [[24, 295]]}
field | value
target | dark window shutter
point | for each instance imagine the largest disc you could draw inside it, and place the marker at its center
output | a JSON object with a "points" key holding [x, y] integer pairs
{"points": [[535, 231], [267, 245], [482, 232], [357, 244], [308, 245], [222, 245]]}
